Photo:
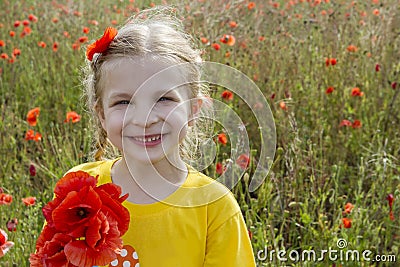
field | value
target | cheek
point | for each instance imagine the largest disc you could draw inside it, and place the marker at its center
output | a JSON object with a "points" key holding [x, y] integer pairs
{"points": [[114, 120]]}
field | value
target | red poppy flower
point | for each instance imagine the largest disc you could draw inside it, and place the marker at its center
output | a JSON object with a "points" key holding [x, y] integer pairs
{"points": [[83, 39], [66, 34], [222, 138], [12, 225], [356, 92], [98, 247], [393, 85], [216, 46], [12, 33], [329, 90], [5, 199], [16, 52], [390, 199], [50, 249], [356, 124], [5, 245], [29, 201], [32, 116], [2, 43], [283, 106], [32, 170], [31, 135], [348, 208], [32, 18], [346, 222], [243, 161], [204, 40], [54, 20], [25, 22], [232, 24], [219, 169], [101, 44], [227, 95], [17, 23], [86, 30], [228, 39], [345, 123], [73, 117], [4, 56], [55, 46], [377, 67], [42, 44], [251, 5], [352, 48]]}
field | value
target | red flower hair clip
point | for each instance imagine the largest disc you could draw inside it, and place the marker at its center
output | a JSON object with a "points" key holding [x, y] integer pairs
{"points": [[101, 44]]}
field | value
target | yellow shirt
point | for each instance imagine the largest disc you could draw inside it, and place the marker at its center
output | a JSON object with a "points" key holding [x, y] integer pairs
{"points": [[190, 234]]}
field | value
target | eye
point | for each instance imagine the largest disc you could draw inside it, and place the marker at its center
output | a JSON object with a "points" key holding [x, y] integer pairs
{"points": [[164, 98], [122, 102]]}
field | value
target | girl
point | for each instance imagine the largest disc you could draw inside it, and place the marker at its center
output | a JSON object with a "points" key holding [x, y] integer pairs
{"points": [[142, 88]]}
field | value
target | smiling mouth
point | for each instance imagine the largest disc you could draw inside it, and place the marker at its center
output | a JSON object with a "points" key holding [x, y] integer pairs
{"points": [[147, 139]]}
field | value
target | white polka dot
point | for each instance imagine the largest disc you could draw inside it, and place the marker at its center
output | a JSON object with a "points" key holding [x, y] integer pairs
{"points": [[124, 252], [135, 256], [137, 265], [126, 264], [114, 262]]}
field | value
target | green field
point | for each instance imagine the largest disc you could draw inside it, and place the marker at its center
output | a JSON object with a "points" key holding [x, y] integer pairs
{"points": [[330, 71]]}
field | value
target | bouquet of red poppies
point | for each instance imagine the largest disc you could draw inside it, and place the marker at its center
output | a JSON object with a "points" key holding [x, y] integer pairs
{"points": [[84, 224]]}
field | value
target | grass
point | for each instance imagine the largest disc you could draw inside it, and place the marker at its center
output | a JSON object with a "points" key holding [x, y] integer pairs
{"points": [[319, 165]]}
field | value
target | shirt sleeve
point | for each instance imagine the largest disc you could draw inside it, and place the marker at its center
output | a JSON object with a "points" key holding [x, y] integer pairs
{"points": [[228, 242]]}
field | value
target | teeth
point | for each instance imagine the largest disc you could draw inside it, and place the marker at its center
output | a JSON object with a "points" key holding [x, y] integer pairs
{"points": [[149, 139]]}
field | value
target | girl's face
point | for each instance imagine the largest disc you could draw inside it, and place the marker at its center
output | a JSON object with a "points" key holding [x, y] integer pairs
{"points": [[145, 118]]}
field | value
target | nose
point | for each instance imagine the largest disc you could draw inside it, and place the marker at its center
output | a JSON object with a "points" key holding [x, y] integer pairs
{"points": [[141, 115]]}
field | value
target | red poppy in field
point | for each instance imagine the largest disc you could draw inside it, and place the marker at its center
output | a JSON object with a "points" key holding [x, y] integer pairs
{"points": [[222, 138], [55, 46], [216, 46], [86, 30], [83, 39], [94, 22], [32, 116], [5, 199], [376, 12], [204, 40], [12, 225], [4, 56], [329, 90], [232, 24], [12, 33], [31, 135], [25, 22], [390, 199], [219, 168], [393, 85], [356, 124], [32, 18], [26, 31], [348, 208], [32, 170], [66, 34], [50, 249], [345, 123], [227, 95], [73, 117], [2, 43], [101, 45], [5, 245], [356, 91], [16, 52], [42, 44], [17, 23], [228, 39], [251, 5], [54, 20], [377, 67], [29, 201], [352, 48], [346, 222], [283, 106], [243, 161]]}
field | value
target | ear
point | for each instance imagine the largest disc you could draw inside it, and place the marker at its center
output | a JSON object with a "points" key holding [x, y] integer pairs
{"points": [[195, 109]]}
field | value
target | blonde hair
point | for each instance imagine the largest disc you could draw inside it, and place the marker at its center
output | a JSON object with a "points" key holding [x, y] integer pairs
{"points": [[156, 32]]}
